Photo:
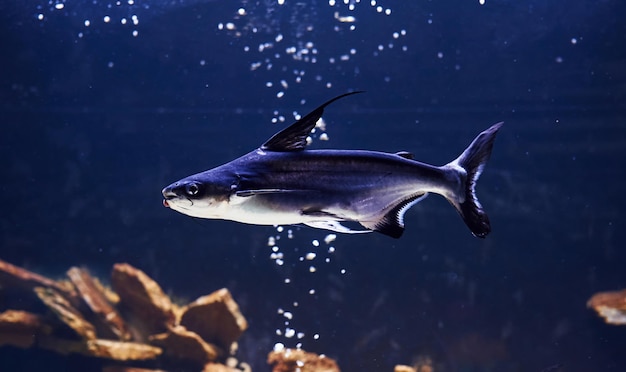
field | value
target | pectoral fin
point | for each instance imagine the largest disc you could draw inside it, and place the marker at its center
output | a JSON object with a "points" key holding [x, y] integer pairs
{"points": [[334, 226], [245, 193], [392, 222]]}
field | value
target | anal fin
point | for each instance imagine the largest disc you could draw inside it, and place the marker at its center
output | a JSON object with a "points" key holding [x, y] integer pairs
{"points": [[392, 223]]}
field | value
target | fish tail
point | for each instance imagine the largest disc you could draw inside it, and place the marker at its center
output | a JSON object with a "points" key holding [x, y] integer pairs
{"points": [[472, 161]]}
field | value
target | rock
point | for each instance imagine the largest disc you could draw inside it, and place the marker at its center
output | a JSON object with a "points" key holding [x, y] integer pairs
{"points": [[423, 363], [121, 350], [610, 305], [17, 277], [20, 328], [67, 313], [149, 308], [216, 318], [403, 368], [296, 360], [109, 349], [180, 343], [138, 323], [217, 367], [129, 369], [95, 299]]}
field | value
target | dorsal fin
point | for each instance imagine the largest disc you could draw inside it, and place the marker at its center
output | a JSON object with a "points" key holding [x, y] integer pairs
{"points": [[293, 138], [405, 154]]}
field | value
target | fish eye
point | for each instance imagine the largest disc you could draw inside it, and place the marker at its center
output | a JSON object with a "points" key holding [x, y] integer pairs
{"points": [[192, 189]]}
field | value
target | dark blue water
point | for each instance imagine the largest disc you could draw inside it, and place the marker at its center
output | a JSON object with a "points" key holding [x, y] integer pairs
{"points": [[96, 121]]}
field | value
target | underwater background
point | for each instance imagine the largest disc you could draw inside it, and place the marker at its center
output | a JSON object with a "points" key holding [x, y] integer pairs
{"points": [[104, 103]]}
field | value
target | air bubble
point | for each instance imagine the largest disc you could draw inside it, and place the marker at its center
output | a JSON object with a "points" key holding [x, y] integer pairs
{"points": [[278, 347], [290, 332], [330, 238]]}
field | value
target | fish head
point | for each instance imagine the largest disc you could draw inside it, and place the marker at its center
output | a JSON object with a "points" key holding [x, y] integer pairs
{"points": [[204, 195]]}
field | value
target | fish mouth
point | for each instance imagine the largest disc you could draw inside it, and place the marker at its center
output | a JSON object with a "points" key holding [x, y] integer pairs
{"points": [[177, 202], [168, 194]]}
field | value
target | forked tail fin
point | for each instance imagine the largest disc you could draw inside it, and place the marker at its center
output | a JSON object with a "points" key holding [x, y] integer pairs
{"points": [[473, 160]]}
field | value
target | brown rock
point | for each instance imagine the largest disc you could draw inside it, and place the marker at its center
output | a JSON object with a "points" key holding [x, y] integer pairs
{"points": [[129, 369], [610, 305], [423, 364], [20, 328], [14, 276], [93, 296], [207, 331], [216, 318], [148, 306], [402, 368], [292, 360], [109, 349], [121, 350], [217, 367], [66, 312], [180, 343], [111, 296]]}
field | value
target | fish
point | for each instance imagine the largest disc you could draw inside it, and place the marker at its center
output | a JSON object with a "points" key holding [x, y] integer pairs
{"points": [[346, 191]]}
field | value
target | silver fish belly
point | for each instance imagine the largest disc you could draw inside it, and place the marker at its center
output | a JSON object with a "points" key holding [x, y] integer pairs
{"points": [[282, 183]]}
